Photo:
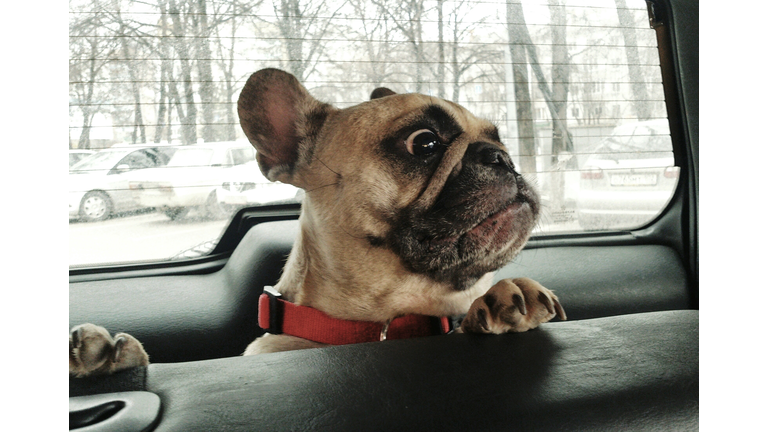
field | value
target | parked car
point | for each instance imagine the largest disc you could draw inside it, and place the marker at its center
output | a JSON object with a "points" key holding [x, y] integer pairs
{"points": [[247, 186], [629, 178], [76, 156], [190, 179], [98, 185]]}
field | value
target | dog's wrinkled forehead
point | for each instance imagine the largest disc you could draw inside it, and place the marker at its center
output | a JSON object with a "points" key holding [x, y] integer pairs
{"points": [[446, 118], [455, 126]]}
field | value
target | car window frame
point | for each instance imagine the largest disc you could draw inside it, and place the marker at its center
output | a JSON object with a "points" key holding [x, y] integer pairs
{"points": [[665, 228]]}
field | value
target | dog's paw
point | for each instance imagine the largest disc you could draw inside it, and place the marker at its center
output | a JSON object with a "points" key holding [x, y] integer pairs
{"points": [[512, 305], [92, 351]]}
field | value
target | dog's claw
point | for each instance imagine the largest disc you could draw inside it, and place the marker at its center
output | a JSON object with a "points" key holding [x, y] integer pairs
{"points": [[76, 336], [559, 309], [547, 302], [519, 302], [529, 305], [118, 348]]}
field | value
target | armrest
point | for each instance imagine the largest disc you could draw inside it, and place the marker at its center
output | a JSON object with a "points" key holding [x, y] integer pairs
{"points": [[630, 372]]}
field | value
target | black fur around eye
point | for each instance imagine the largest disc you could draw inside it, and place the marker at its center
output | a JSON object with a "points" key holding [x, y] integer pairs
{"points": [[423, 142]]}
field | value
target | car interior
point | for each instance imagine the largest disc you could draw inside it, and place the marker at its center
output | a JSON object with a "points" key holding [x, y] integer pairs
{"points": [[627, 357]]}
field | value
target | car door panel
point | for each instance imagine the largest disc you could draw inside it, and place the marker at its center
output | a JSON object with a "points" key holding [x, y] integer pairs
{"points": [[627, 372], [211, 315]]}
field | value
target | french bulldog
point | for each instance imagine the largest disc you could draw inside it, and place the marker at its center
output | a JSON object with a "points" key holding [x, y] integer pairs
{"points": [[411, 204]]}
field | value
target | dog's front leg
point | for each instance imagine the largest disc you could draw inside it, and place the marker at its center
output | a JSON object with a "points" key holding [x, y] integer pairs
{"points": [[512, 305], [93, 351]]}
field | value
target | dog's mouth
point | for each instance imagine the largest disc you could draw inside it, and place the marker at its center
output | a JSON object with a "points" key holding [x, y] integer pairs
{"points": [[461, 247], [490, 233]]}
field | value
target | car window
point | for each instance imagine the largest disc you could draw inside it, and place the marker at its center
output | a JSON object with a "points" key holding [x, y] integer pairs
{"points": [[138, 160], [99, 161], [75, 157], [240, 156], [574, 87]]}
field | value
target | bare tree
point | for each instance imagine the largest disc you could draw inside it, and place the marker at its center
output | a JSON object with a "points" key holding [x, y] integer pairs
{"points": [[201, 32], [302, 26], [518, 38], [639, 91], [91, 49], [376, 36], [163, 122], [555, 96], [463, 60], [562, 144], [181, 46], [560, 80], [407, 17], [124, 33], [226, 61]]}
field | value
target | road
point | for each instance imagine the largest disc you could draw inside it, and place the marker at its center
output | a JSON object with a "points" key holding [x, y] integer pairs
{"points": [[143, 237]]}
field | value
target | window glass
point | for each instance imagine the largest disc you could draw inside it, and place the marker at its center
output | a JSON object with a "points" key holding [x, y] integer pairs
{"points": [[190, 157], [574, 87], [100, 161], [137, 160], [240, 156]]}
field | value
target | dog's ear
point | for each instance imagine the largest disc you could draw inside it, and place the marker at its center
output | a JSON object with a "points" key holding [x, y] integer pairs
{"points": [[380, 92], [281, 120]]}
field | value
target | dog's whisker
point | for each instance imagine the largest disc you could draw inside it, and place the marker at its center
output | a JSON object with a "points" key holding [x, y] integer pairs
{"points": [[321, 187], [329, 168], [348, 233]]}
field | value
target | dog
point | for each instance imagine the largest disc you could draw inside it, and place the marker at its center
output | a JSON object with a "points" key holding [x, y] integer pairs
{"points": [[411, 204]]}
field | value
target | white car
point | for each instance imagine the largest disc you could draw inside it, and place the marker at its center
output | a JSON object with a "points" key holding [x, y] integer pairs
{"points": [[247, 186], [98, 184], [190, 178], [629, 178]]}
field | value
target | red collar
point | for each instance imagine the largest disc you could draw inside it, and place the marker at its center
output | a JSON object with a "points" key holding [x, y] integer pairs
{"points": [[278, 316]]}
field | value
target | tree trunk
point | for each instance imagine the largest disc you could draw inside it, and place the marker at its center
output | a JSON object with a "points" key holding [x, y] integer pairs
{"points": [[440, 51], [418, 46], [188, 123], [627, 24], [175, 99], [231, 133], [161, 108], [138, 120], [455, 59], [523, 106], [560, 80], [290, 23], [561, 142], [205, 74], [165, 72], [85, 134]]}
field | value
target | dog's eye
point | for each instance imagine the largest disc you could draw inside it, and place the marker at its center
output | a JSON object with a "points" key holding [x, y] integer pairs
{"points": [[423, 142]]}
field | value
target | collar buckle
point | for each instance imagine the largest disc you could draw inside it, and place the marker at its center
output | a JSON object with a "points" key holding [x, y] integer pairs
{"points": [[271, 311], [384, 330]]}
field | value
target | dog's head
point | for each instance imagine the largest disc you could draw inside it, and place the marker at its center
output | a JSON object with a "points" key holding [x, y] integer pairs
{"points": [[417, 176]]}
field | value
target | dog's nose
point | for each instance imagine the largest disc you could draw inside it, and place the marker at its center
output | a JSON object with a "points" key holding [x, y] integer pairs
{"points": [[491, 155]]}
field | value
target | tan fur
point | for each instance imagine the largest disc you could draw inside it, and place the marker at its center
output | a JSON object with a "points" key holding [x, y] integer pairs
{"points": [[92, 351], [339, 263]]}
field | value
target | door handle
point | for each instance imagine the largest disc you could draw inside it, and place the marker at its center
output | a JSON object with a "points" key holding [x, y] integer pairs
{"points": [[136, 411]]}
